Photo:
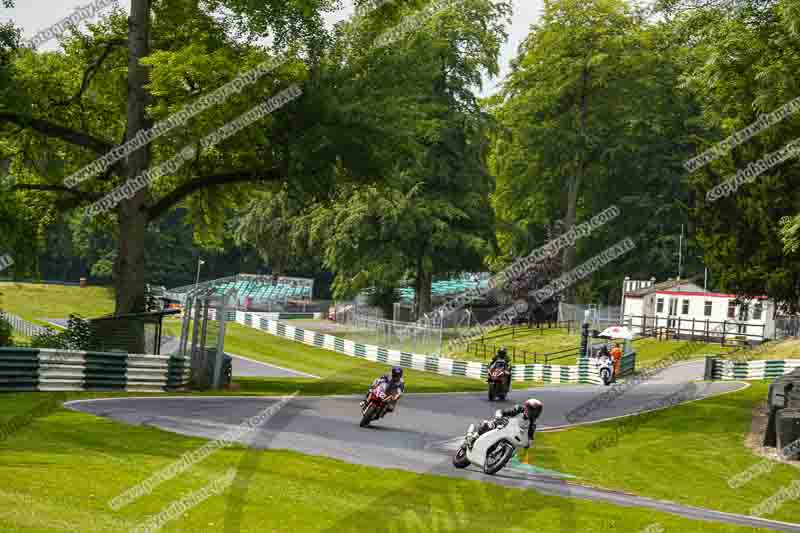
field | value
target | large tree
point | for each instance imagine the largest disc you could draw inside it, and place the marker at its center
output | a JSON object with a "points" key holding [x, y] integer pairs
{"points": [[131, 71], [427, 212], [591, 117], [741, 67]]}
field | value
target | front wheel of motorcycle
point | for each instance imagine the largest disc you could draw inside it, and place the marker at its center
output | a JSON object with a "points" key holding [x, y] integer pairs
{"points": [[497, 456], [492, 388], [460, 458], [369, 414]]}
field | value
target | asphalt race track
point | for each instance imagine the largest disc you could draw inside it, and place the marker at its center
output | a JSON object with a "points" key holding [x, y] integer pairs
{"points": [[422, 434]]}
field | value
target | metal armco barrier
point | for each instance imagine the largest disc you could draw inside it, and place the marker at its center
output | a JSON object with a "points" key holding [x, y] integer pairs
{"points": [[723, 369], [32, 369]]}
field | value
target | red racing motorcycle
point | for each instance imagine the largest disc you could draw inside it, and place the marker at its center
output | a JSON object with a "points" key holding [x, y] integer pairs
{"points": [[377, 404], [499, 380]]}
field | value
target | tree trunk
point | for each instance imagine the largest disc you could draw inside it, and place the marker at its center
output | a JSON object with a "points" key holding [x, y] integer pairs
{"points": [[574, 185], [422, 287], [130, 266], [426, 281]]}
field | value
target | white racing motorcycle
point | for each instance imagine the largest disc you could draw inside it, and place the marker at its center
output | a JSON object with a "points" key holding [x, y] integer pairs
{"points": [[495, 448], [606, 366]]}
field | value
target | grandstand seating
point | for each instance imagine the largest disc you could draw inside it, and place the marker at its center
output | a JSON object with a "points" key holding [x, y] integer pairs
{"points": [[445, 288], [263, 292]]}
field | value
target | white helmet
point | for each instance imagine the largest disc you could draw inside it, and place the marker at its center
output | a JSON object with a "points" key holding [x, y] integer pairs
{"points": [[533, 408]]}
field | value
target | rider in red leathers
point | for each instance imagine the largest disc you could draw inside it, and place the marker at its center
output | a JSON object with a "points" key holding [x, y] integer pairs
{"points": [[394, 385]]}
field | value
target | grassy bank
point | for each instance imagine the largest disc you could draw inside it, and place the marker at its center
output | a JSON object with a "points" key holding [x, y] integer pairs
{"points": [[33, 301], [59, 472], [341, 374], [684, 454]]}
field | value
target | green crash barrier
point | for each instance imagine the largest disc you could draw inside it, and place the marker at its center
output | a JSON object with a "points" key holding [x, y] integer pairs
{"points": [[30, 369]]}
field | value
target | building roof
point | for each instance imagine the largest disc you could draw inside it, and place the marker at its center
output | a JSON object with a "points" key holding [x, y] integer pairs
{"points": [[670, 284], [259, 288]]}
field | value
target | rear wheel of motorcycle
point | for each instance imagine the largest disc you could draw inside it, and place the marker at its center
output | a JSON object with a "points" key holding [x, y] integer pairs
{"points": [[497, 456], [460, 458], [368, 416]]}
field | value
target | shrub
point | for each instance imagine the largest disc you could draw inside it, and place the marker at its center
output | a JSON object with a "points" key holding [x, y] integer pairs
{"points": [[50, 339], [76, 337], [5, 332]]}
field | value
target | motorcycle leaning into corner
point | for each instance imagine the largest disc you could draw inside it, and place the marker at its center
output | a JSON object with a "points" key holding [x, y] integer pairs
{"points": [[377, 404], [494, 444]]}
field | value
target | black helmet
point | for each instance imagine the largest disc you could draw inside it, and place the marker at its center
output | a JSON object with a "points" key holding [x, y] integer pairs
{"points": [[502, 351], [397, 373]]}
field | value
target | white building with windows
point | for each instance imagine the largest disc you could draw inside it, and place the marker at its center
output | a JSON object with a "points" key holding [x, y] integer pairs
{"points": [[686, 308]]}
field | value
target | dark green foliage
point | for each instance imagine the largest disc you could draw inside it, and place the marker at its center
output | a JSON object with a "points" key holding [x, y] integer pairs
{"points": [[5, 332], [77, 336], [384, 299]]}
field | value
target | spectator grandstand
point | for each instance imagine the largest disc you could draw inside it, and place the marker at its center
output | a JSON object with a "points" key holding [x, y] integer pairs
{"points": [[259, 289], [449, 287]]}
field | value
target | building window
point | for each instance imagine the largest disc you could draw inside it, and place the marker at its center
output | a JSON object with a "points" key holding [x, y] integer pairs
{"points": [[660, 305], [731, 310], [707, 310], [743, 311], [757, 310], [685, 309]]}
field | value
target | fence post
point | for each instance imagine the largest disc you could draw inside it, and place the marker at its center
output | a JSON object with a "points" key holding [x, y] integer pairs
{"points": [[693, 329], [679, 327], [514, 354], [724, 330], [707, 331]]}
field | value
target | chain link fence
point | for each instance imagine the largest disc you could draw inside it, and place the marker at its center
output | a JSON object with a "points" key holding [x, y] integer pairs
{"points": [[600, 316], [24, 327], [787, 326], [429, 335]]}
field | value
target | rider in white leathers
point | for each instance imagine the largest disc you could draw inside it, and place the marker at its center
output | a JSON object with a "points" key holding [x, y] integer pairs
{"points": [[530, 410]]}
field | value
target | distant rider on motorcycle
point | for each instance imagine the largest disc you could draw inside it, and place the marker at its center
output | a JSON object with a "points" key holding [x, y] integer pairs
{"points": [[530, 412], [394, 385], [501, 355]]}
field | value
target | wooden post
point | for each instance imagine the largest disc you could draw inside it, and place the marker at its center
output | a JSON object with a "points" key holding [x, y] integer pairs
{"points": [[724, 330], [679, 328], [514, 354], [693, 329], [707, 331]]}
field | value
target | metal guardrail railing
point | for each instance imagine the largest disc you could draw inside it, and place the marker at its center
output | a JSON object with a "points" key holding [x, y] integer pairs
{"points": [[518, 355], [29, 329]]}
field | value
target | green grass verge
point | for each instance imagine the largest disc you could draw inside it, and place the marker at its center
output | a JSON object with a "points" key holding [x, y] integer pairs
{"points": [[782, 349], [33, 301], [59, 472], [684, 454], [649, 351], [341, 374]]}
